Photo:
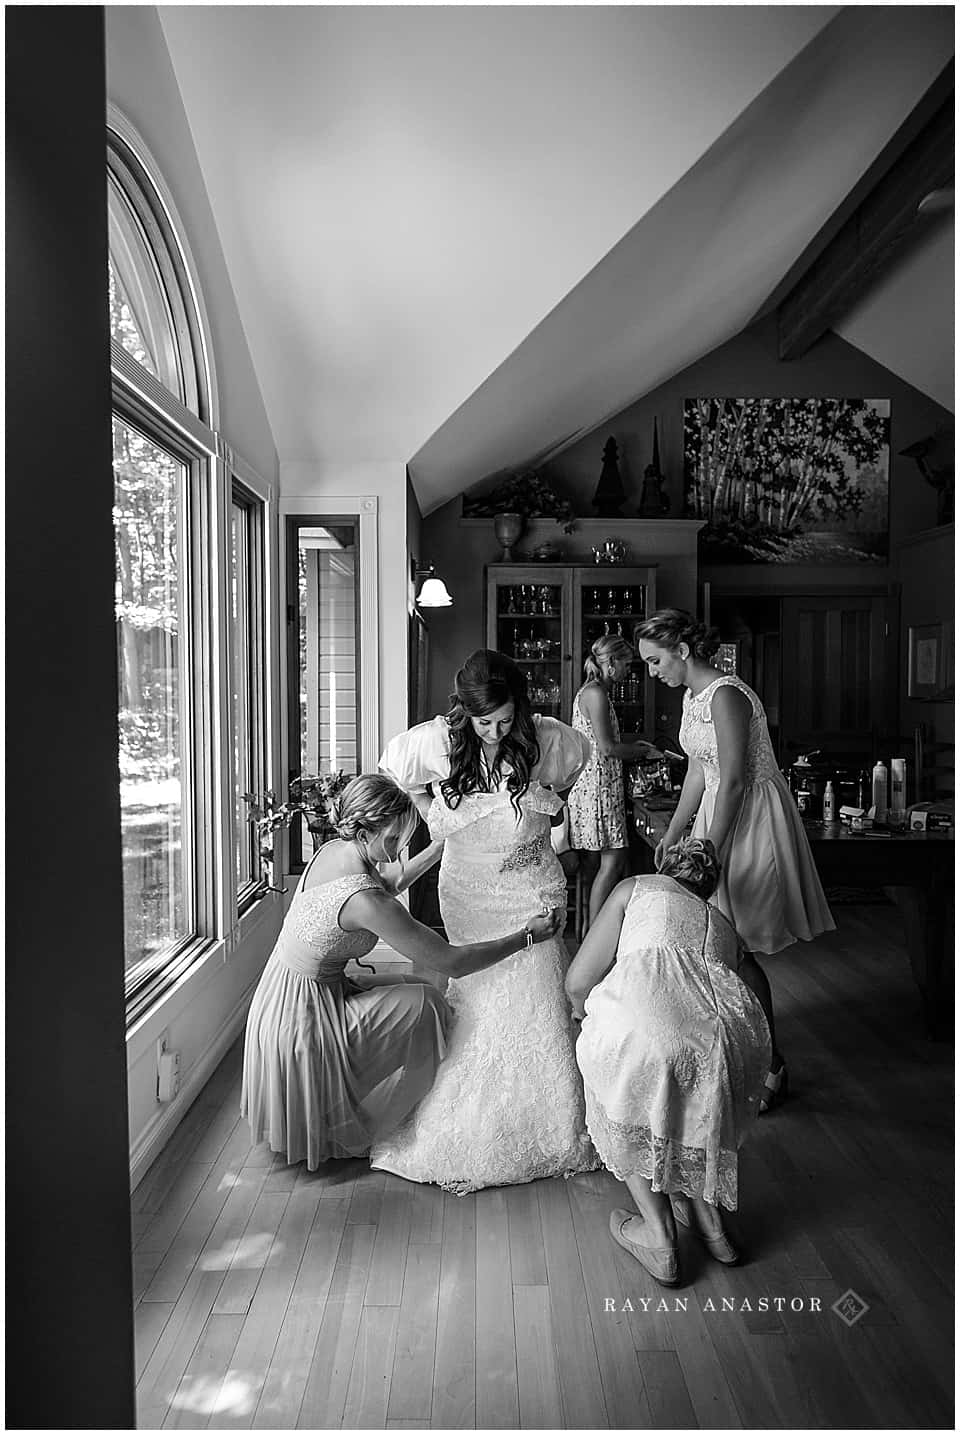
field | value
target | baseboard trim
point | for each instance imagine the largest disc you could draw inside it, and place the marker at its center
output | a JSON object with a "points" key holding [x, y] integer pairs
{"points": [[151, 1141]]}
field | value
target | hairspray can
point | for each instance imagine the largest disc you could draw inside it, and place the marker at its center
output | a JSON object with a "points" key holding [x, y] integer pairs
{"points": [[879, 790], [898, 786]]}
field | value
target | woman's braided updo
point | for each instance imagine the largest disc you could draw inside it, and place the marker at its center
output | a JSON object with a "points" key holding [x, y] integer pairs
{"points": [[669, 627], [694, 864], [368, 804], [610, 645]]}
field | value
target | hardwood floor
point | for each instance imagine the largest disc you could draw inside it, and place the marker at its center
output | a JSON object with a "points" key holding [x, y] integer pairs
{"points": [[271, 1297]]}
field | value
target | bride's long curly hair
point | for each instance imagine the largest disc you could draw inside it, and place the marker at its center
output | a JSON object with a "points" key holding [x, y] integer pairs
{"points": [[488, 681]]}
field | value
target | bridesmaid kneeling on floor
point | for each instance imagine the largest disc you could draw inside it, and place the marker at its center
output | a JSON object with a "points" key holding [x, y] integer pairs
{"points": [[332, 1063], [673, 1050]]}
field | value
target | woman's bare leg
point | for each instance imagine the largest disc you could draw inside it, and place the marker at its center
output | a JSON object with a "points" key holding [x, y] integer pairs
{"points": [[658, 1224], [613, 866], [753, 976]]}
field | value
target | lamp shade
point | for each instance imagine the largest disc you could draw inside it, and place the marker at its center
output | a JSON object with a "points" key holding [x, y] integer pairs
{"points": [[434, 594]]}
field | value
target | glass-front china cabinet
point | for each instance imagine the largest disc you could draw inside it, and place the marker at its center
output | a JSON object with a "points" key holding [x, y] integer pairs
{"points": [[546, 617]]}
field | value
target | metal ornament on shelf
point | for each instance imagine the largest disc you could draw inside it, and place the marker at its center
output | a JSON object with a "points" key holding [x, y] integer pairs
{"points": [[612, 551]]}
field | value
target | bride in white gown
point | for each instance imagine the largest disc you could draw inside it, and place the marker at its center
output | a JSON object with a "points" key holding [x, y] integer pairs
{"points": [[507, 1102]]}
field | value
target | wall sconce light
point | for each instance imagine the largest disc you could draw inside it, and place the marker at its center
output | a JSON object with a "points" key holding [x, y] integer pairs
{"points": [[434, 593]]}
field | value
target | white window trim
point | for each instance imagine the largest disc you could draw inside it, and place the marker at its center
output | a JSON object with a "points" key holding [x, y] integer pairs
{"points": [[127, 131], [365, 507], [231, 465]]}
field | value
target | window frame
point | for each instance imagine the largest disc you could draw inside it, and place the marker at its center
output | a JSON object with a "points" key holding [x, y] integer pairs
{"points": [[324, 510], [256, 505], [213, 468]]}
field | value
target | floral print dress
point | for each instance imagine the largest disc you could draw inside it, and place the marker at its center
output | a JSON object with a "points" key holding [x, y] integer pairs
{"points": [[598, 820]]}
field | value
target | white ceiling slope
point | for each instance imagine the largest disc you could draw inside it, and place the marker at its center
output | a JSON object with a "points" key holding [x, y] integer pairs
{"points": [[403, 193], [409, 198], [698, 266]]}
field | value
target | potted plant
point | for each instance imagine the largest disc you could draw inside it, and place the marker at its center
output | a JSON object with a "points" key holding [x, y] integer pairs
{"points": [[310, 796], [515, 499]]}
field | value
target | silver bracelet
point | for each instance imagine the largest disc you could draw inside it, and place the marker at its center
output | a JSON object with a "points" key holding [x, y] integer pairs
{"points": [[529, 941]]}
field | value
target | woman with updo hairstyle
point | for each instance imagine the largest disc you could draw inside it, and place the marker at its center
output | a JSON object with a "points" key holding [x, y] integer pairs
{"points": [[673, 1050], [735, 795], [332, 1062], [489, 776], [598, 817]]}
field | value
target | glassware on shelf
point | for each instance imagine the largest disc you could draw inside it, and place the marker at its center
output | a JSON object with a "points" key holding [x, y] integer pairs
{"points": [[611, 600], [594, 600], [545, 604], [511, 600]]}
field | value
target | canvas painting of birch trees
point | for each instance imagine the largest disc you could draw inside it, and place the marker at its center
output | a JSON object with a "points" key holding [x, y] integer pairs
{"points": [[788, 480]]}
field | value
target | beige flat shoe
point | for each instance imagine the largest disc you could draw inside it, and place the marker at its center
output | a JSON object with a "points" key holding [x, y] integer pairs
{"points": [[660, 1261], [720, 1247]]}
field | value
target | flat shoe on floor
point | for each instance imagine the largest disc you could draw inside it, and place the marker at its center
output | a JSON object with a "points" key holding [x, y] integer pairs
{"points": [[776, 1085], [659, 1261], [720, 1247]]}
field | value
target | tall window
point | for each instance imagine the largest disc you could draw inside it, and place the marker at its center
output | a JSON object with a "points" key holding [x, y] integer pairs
{"points": [[164, 457], [154, 722], [323, 652], [247, 679]]}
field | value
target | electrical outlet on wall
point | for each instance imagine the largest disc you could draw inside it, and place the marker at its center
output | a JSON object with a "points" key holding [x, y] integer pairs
{"points": [[168, 1076], [168, 1068]]}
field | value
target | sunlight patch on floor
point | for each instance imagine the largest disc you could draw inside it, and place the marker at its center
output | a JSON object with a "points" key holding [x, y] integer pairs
{"points": [[247, 1251], [235, 1394]]}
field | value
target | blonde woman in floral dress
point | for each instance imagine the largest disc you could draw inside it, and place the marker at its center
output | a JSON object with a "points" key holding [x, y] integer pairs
{"points": [[598, 818]]}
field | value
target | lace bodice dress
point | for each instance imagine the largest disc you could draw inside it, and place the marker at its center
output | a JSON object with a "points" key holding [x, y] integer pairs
{"points": [[507, 1103], [674, 1047], [332, 1062], [598, 820], [769, 887]]}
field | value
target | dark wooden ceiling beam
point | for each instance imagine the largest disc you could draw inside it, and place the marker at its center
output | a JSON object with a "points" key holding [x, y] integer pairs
{"points": [[884, 223]]}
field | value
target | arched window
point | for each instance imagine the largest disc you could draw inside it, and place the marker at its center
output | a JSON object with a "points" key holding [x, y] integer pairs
{"points": [[154, 304], [185, 740]]}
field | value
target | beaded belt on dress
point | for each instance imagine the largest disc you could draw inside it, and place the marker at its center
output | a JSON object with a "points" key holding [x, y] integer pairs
{"points": [[526, 854]]}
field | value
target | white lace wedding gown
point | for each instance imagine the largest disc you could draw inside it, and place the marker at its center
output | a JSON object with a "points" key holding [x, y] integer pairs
{"points": [[507, 1102]]}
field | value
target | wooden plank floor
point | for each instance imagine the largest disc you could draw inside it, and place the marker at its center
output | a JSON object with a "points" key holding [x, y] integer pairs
{"points": [[268, 1296]]}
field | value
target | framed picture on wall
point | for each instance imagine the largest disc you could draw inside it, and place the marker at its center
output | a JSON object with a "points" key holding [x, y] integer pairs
{"points": [[930, 662]]}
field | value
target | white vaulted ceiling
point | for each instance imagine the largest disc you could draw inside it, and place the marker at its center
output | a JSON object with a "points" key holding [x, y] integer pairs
{"points": [[458, 235]]}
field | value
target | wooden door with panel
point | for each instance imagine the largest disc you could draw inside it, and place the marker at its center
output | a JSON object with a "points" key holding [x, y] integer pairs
{"points": [[837, 670]]}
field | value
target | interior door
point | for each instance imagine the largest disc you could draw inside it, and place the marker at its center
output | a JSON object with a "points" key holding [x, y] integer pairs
{"points": [[835, 676]]}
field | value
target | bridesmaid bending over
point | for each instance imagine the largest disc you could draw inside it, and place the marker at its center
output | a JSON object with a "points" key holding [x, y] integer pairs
{"points": [[331, 1063]]}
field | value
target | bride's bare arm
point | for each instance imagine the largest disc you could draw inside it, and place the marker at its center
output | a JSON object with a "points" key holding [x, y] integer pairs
{"points": [[398, 877], [599, 948]]}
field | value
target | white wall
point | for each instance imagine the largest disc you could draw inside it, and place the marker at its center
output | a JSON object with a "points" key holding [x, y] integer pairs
{"points": [[206, 1010]]}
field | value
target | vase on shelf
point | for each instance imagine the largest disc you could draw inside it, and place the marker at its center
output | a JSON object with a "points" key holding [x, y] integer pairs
{"points": [[507, 528]]}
